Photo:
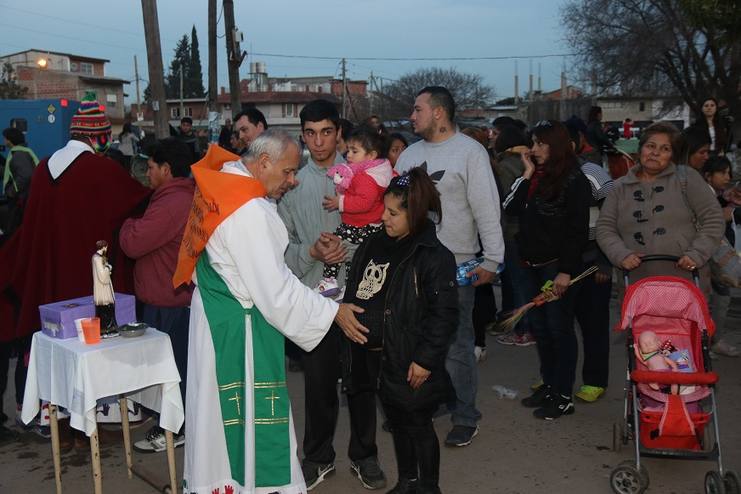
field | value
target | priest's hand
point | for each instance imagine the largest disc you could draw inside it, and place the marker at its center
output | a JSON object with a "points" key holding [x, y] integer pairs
{"points": [[352, 328], [417, 375], [328, 249]]}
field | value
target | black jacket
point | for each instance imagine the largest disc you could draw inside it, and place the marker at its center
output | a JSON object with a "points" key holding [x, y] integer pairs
{"points": [[419, 324], [553, 229]]}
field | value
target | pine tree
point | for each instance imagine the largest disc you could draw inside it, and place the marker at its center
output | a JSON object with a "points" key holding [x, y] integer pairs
{"points": [[180, 60], [194, 74]]}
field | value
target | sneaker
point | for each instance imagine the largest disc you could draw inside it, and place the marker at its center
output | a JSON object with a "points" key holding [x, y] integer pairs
{"points": [[480, 353], [540, 397], [507, 339], [558, 406], [404, 486], [327, 287], [369, 473], [524, 339], [461, 435], [536, 385], [722, 347], [314, 473], [590, 394], [155, 441]]}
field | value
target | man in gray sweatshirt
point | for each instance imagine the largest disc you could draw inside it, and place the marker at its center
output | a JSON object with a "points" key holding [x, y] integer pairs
{"points": [[310, 246], [460, 168]]}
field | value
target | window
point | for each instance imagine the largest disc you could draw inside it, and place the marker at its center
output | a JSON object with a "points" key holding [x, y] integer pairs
{"points": [[290, 110], [188, 111], [19, 123], [641, 106], [86, 68], [112, 100], [74, 67], [175, 112]]}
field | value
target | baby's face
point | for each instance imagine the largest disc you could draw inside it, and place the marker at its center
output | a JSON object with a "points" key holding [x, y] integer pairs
{"points": [[649, 342]]}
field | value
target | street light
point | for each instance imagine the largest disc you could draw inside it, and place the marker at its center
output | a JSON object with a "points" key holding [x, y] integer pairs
{"points": [[43, 63]]}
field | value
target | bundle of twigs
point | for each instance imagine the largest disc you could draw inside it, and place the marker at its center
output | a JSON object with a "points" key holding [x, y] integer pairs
{"points": [[546, 295]]}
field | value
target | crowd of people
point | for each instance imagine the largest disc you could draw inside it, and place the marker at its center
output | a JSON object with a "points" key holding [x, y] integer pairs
{"points": [[369, 262]]}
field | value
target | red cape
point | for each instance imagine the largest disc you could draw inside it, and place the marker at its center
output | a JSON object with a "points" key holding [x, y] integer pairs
{"points": [[48, 257]]}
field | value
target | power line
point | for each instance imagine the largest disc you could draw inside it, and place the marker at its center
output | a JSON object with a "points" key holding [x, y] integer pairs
{"points": [[417, 59]]}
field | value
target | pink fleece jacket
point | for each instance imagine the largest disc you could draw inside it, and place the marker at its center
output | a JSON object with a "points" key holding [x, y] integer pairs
{"points": [[362, 202], [154, 241]]}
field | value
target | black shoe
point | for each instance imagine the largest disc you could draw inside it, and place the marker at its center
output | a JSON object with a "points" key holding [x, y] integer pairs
{"points": [[461, 435], [558, 406], [539, 398], [369, 473], [314, 473], [404, 486]]}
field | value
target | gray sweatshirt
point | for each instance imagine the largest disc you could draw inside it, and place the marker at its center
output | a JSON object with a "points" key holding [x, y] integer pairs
{"points": [[460, 168], [305, 219]]}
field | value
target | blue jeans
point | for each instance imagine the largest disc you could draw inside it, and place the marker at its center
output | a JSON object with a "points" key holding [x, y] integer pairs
{"points": [[461, 363], [519, 283], [552, 324], [174, 321]]}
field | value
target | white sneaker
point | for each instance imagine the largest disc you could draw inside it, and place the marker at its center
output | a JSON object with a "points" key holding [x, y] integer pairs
{"points": [[155, 441], [327, 287], [480, 353]]}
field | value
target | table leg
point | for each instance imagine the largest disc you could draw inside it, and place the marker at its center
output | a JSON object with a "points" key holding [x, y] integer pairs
{"points": [[171, 461], [95, 453], [124, 407], [54, 425]]}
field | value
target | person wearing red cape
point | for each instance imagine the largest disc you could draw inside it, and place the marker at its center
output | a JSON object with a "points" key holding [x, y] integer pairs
{"points": [[77, 197]]}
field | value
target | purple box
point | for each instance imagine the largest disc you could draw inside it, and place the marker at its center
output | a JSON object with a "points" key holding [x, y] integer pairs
{"points": [[58, 319]]}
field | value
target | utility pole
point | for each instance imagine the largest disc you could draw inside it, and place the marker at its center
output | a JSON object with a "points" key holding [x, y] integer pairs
{"points": [[156, 72], [517, 85], [370, 99], [234, 56], [138, 95], [212, 56], [344, 89]]}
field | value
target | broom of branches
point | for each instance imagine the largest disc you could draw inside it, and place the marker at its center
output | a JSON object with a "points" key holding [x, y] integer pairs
{"points": [[546, 295]]}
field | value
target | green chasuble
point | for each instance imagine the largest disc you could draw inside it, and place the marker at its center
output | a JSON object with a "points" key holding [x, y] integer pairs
{"points": [[226, 319]]}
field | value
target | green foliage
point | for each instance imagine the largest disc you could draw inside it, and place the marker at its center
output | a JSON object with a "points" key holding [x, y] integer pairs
{"points": [[9, 87]]}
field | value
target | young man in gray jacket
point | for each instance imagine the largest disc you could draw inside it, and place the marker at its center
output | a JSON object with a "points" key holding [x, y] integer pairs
{"points": [[310, 246], [460, 168]]}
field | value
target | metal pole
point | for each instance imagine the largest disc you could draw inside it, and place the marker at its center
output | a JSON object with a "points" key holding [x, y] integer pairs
{"points": [[344, 89]]}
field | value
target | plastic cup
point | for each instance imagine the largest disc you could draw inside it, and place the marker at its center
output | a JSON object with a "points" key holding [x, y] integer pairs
{"points": [[91, 330], [78, 326]]}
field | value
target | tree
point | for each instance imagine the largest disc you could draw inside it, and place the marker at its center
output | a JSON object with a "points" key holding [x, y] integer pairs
{"points": [[690, 48], [9, 87], [397, 98], [194, 74], [180, 61]]}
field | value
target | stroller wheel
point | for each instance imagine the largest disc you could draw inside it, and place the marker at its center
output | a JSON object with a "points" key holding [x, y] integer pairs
{"points": [[714, 483], [627, 479], [730, 479]]}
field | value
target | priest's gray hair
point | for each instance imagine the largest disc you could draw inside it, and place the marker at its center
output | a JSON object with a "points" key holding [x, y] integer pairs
{"points": [[273, 142]]}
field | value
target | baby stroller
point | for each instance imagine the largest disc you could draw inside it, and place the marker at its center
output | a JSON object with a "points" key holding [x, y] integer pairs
{"points": [[668, 414]]}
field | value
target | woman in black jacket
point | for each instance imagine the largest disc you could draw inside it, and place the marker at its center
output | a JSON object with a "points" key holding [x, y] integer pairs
{"points": [[552, 200], [404, 278]]}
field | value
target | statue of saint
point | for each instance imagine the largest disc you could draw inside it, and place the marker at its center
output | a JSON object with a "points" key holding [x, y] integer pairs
{"points": [[103, 296]]}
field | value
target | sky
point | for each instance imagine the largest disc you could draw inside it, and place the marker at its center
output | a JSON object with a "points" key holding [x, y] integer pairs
{"points": [[327, 28]]}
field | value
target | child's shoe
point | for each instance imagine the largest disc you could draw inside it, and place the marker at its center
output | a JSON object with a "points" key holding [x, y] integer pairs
{"points": [[327, 287]]}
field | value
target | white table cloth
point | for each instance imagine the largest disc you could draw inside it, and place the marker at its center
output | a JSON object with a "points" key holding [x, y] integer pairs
{"points": [[73, 375]]}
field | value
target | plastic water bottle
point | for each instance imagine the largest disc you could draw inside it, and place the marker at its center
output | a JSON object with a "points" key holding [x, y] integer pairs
{"points": [[505, 392], [468, 266]]}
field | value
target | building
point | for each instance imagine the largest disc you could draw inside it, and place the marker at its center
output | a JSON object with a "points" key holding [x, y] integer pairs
{"points": [[49, 74], [645, 109]]}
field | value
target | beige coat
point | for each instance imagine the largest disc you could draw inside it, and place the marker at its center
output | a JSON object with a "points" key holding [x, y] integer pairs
{"points": [[653, 218], [102, 285]]}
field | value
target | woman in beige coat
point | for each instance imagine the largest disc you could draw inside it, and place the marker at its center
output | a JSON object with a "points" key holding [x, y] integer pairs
{"points": [[660, 209]]}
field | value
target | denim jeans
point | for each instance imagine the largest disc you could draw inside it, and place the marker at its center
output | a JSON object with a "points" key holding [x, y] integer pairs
{"points": [[461, 363], [519, 283], [552, 324]]}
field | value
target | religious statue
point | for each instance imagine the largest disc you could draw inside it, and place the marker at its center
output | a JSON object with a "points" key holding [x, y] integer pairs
{"points": [[103, 296]]}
